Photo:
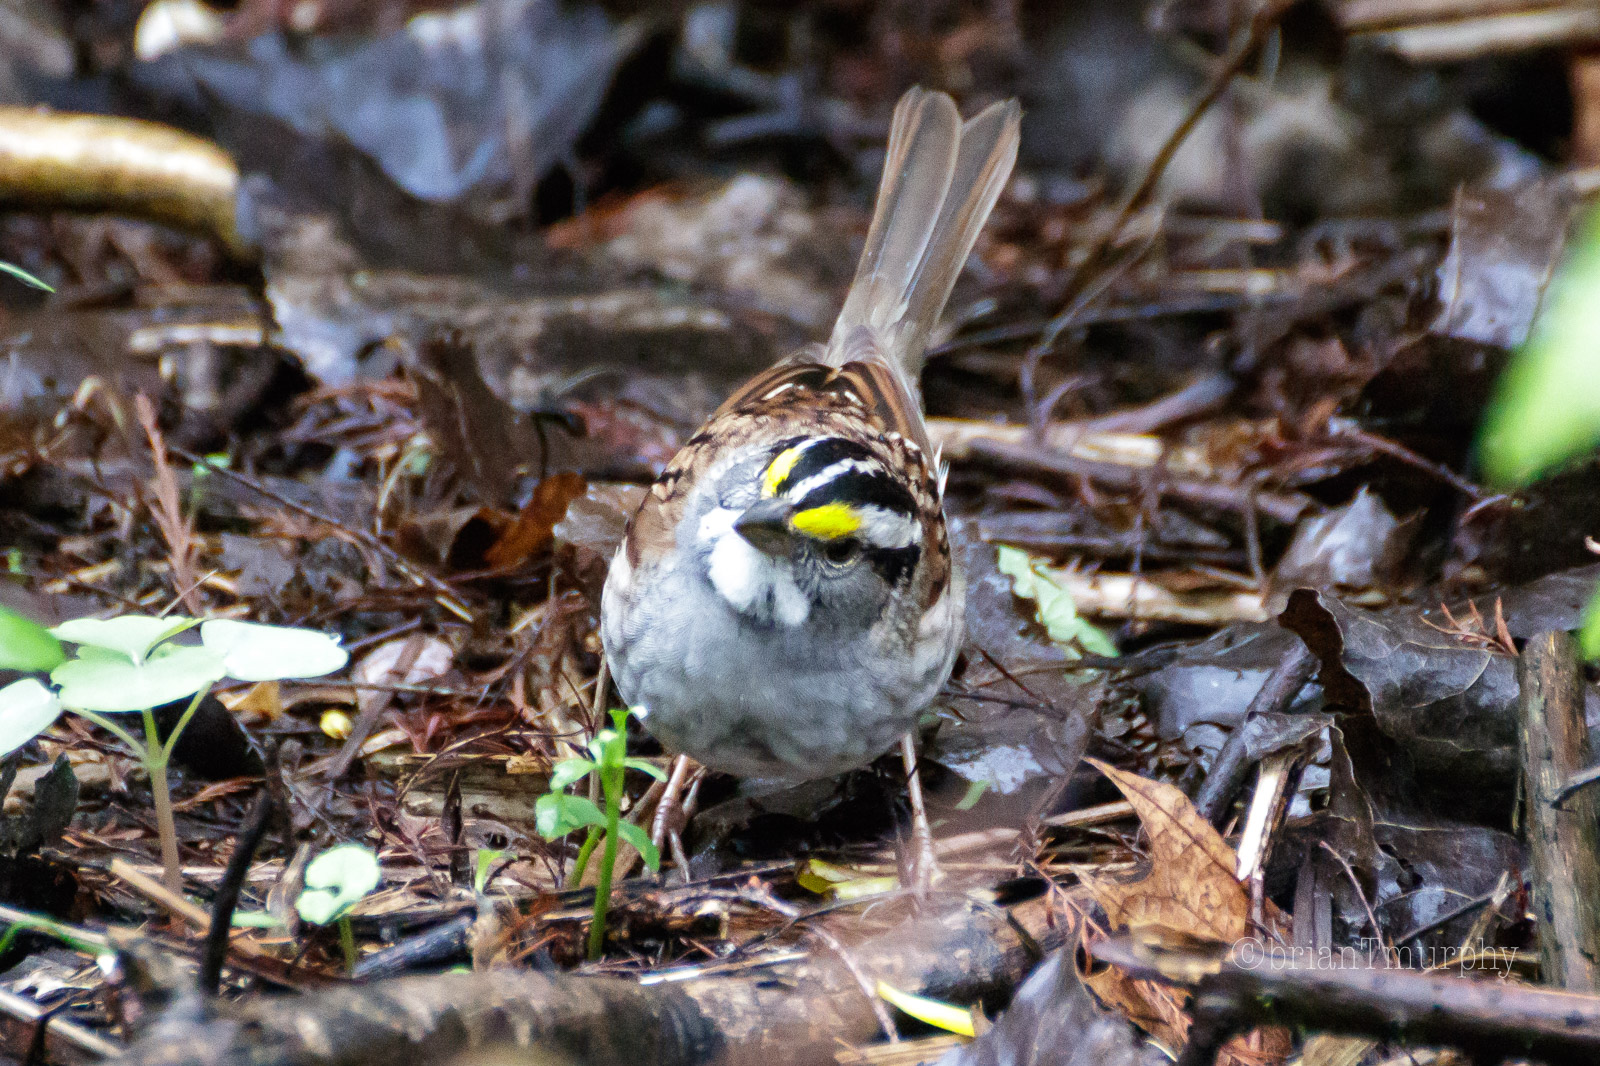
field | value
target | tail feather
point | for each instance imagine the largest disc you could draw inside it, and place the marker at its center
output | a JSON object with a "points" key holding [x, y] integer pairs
{"points": [[940, 181]]}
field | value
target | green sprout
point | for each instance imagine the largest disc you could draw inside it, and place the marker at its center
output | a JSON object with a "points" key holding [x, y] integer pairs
{"points": [[129, 665], [483, 864], [335, 882], [34, 923], [1033, 580], [27, 645], [1545, 411], [558, 814]]}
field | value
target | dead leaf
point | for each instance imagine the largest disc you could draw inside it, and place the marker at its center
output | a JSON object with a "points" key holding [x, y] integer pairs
{"points": [[1191, 887], [532, 532], [1190, 893]]}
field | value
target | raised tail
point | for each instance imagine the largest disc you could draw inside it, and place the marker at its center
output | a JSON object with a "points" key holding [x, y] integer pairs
{"points": [[941, 179]]}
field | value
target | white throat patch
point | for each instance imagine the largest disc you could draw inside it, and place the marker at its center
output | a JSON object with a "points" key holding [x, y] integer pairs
{"points": [[751, 582]]}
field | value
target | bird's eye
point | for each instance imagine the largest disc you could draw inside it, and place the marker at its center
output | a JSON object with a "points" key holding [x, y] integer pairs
{"points": [[842, 551]]}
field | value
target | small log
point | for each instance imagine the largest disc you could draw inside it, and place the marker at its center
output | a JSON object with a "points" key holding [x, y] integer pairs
{"points": [[54, 160], [794, 1011], [1254, 983], [1564, 841]]}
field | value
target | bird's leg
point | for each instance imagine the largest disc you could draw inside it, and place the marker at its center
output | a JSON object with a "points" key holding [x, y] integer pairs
{"points": [[666, 828], [925, 870]]}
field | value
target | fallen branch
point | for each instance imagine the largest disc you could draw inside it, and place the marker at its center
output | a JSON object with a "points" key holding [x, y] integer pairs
{"points": [[1285, 507], [797, 1010], [52, 160], [1253, 984], [1564, 841]]}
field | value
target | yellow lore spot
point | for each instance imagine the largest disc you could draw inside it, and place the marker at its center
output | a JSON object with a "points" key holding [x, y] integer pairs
{"points": [[780, 469], [828, 522]]}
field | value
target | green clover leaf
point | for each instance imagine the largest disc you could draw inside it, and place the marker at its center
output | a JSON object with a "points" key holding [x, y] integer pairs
{"points": [[101, 679], [335, 881], [251, 651], [26, 709]]}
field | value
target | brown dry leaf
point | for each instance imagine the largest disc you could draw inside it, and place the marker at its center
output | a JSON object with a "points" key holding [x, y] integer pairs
{"points": [[1191, 888], [1153, 1007], [532, 532], [1190, 893], [264, 699]]}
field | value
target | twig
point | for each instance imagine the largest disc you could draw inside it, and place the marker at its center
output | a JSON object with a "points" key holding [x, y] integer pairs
{"points": [[1283, 507], [155, 891], [360, 536], [227, 897], [1254, 35], [1350, 431], [1229, 768], [1256, 984], [1366, 905]]}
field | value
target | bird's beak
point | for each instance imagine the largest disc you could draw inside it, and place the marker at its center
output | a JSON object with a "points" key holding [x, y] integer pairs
{"points": [[766, 526]]}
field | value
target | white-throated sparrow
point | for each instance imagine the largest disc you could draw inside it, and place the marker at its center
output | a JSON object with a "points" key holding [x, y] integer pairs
{"points": [[784, 604]]}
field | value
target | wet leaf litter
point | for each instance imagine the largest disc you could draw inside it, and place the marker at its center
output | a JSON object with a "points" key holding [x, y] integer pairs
{"points": [[1269, 455]]}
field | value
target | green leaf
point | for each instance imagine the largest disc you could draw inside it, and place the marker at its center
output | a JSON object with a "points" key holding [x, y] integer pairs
{"points": [[555, 815], [602, 743], [569, 771], [26, 645], [132, 635], [1032, 580], [640, 840], [1589, 631], [251, 651], [255, 920], [335, 881], [975, 791], [111, 683], [644, 766], [23, 276], [1546, 407], [483, 861], [26, 709]]}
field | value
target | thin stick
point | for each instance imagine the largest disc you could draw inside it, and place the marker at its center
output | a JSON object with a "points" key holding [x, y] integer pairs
{"points": [[227, 897], [360, 536], [1260, 27], [1229, 768], [150, 888]]}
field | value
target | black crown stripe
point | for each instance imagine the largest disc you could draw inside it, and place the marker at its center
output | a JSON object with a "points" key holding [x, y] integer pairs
{"points": [[819, 457], [862, 487]]}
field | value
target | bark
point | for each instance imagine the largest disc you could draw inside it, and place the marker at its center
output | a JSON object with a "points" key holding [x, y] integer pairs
{"points": [[794, 1012], [1563, 837]]}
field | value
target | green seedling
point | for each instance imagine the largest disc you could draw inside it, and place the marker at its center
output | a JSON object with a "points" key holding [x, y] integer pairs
{"points": [[1057, 612], [130, 665], [1545, 410], [557, 814], [336, 881], [27, 645], [34, 923], [483, 865]]}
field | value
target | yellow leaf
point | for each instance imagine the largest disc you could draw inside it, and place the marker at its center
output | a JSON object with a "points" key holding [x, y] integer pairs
{"points": [[946, 1016]]}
